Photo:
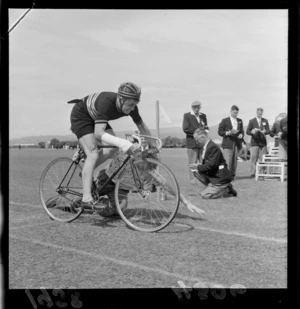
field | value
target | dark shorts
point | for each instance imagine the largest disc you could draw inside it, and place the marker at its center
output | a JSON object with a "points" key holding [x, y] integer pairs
{"points": [[81, 122]]}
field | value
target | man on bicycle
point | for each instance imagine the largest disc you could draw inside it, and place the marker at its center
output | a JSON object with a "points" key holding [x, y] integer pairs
{"points": [[89, 122]]}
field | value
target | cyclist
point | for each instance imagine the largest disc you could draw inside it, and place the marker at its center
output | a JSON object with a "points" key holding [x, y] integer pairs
{"points": [[90, 118]]}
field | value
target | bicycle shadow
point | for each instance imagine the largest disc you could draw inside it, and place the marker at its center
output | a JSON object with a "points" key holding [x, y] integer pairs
{"points": [[176, 227], [159, 216], [97, 220], [117, 222], [146, 219]]}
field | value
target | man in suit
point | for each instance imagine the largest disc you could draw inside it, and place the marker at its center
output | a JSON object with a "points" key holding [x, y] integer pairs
{"points": [[274, 133], [213, 171], [191, 122], [232, 131], [283, 127], [258, 127]]}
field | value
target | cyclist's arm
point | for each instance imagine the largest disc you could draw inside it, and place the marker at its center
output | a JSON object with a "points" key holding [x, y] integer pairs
{"points": [[144, 130], [109, 139]]}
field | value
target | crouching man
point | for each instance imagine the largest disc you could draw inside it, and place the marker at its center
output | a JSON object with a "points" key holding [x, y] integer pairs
{"points": [[213, 172]]}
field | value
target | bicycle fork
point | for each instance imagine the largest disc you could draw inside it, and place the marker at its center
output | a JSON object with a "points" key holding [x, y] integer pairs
{"points": [[138, 183]]}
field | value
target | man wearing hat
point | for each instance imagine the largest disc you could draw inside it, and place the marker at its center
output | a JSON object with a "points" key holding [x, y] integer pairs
{"points": [[257, 128], [191, 122], [232, 131]]}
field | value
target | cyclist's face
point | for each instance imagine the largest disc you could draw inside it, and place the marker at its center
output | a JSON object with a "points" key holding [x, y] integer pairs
{"points": [[129, 105]]}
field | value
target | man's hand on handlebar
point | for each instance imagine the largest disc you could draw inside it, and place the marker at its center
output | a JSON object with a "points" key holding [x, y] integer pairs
{"points": [[125, 145], [133, 149]]}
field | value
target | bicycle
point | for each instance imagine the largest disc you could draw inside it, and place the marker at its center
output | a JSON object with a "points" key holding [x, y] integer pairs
{"points": [[151, 190]]}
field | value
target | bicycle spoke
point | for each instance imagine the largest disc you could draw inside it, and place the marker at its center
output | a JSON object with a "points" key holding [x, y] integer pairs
{"points": [[61, 189]]}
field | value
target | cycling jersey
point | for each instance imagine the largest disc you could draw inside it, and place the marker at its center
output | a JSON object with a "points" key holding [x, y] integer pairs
{"points": [[102, 108]]}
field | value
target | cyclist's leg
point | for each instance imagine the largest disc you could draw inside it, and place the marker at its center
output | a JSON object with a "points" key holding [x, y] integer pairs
{"points": [[106, 153], [89, 145], [82, 125]]}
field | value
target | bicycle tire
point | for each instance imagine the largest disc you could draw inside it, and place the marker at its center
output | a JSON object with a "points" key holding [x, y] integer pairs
{"points": [[149, 213], [59, 201]]}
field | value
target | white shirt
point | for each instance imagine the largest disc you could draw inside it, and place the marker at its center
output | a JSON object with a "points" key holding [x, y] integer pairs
{"points": [[234, 123], [204, 149], [258, 121], [197, 117]]}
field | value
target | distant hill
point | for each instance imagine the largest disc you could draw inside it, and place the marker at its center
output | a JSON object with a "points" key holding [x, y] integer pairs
{"points": [[164, 132]]}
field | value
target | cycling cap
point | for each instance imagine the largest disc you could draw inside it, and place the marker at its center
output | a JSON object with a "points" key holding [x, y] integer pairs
{"points": [[130, 90]]}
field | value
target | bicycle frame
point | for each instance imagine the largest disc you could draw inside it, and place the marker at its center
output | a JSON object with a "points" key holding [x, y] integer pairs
{"points": [[60, 188], [137, 180]]}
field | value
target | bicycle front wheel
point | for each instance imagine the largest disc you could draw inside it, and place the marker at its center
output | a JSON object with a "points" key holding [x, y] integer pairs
{"points": [[147, 195], [61, 190]]}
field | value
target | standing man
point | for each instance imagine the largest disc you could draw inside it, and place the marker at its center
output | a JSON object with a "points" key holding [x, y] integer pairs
{"points": [[232, 131], [274, 133], [258, 127], [283, 126], [213, 172], [191, 122], [276, 129]]}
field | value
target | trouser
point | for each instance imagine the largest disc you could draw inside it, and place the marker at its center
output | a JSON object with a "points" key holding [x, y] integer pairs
{"points": [[212, 191], [282, 150], [244, 152], [230, 156], [194, 156], [256, 153]]}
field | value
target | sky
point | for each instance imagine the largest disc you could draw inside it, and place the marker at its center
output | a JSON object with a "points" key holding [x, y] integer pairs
{"points": [[218, 57]]}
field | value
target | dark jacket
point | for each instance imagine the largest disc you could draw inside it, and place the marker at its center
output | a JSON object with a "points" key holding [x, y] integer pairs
{"points": [[258, 139], [275, 129], [190, 125], [283, 126], [228, 140], [214, 165]]}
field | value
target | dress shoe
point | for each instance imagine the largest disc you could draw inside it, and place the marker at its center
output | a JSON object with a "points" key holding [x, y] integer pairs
{"points": [[231, 190]]}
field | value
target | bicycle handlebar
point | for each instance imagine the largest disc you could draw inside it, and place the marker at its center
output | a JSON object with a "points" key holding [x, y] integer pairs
{"points": [[139, 140]]}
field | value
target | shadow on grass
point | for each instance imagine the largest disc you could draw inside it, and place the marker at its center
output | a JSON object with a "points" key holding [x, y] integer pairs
{"points": [[244, 177], [116, 222], [183, 216], [175, 227], [97, 220]]}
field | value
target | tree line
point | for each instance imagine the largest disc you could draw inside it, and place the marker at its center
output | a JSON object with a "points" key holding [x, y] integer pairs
{"points": [[55, 143]]}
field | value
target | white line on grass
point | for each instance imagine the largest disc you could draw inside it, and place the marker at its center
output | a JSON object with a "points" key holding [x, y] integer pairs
{"points": [[238, 234], [198, 228], [25, 204], [29, 225], [120, 262]]}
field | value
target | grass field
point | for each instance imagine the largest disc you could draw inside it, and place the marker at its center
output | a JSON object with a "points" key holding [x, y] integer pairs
{"points": [[240, 240]]}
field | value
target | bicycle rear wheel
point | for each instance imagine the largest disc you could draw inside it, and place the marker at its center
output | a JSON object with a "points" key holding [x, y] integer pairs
{"points": [[61, 190], [151, 195]]}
